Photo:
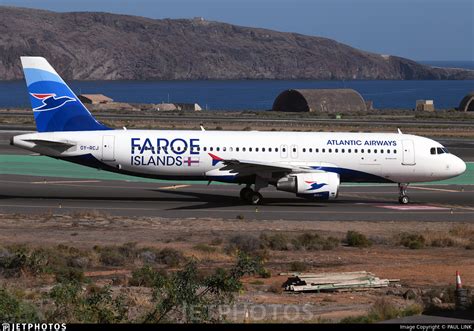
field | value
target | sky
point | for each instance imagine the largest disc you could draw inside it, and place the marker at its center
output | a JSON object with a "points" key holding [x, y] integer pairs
{"points": [[421, 30]]}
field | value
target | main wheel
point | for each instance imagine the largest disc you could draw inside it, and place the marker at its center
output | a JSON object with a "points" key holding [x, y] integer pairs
{"points": [[255, 198], [403, 200], [246, 193]]}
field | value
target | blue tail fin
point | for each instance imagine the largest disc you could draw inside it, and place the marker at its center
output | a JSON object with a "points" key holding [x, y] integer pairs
{"points": [[55, 106]]}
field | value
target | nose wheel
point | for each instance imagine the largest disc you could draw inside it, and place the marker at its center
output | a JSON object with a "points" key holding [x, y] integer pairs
{"points": [[250, 196], [403, 198]]}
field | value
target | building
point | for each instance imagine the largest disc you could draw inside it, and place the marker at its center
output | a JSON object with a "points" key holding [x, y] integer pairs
{"points": [[319, 100], [425, 105], [467, 103], [94, 99]]}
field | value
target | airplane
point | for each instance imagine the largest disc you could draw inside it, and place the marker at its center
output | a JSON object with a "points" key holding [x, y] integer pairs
{"points": [[311, 165]]}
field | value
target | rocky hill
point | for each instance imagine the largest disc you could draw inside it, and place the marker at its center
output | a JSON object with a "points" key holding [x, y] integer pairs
{"points": [[96, 46]]}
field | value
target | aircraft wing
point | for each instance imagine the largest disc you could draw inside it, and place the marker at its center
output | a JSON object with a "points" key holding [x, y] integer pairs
{"points": [[247, 167]]}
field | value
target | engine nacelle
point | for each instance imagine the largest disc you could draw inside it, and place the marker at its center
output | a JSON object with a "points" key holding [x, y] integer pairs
{"points": [[319, 186]]}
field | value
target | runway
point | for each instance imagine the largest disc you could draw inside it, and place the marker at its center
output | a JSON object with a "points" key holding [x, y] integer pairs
{"points": [[36, 184], [35, 195]]}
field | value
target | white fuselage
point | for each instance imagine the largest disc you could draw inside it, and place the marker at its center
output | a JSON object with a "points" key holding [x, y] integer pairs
{"points": [[357, 157]]}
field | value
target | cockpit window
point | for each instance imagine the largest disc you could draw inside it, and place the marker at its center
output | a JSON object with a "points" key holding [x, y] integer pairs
{"points": [[433, 150], [445, 150]]}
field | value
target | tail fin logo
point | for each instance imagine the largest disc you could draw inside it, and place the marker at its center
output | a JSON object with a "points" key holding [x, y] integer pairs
{"points": [[50, 101]]}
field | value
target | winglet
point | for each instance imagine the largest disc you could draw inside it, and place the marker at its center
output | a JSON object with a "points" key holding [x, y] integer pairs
{"points": [[215, 159], [399, 131]]}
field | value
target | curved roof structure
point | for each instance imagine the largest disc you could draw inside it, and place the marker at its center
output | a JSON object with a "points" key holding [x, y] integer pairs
{"points": [[467, 103], [319, 100]]}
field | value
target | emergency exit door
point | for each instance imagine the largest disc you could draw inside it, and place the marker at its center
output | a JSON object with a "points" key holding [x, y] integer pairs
{"points": [[108, 148], [408, 152]]}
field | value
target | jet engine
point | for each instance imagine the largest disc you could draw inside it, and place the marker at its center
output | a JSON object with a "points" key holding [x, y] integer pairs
{"points": [[318, 186]]}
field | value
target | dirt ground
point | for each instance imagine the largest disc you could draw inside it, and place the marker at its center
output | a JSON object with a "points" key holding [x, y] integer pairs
{"points": [[417, 269]]}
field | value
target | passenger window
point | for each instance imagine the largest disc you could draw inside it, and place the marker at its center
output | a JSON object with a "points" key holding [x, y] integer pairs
{"points": [[433, 150], [310, 150], [368, 151], [250, 149], [204, 149], [217, 149], [362, 150], [263, 149], [211, 149], [388, 151], [243, 149], [375, 151], [256, 149], [394, 151], [317, 150], [276, 149], [324, 150], [349, 150], [284, 150], [294, 150], [381, 151], [330, 150], [355, 150], [223, 149], [342, 150], [304, 150], [269, 149], [237, 149], [336, 151], [231, 149]]}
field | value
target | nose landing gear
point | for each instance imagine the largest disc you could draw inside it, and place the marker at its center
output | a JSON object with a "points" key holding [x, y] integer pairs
{"points": [[403, 198]]}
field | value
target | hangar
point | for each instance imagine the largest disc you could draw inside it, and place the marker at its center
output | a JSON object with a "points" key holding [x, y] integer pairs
{"points": [[319, 100], [467, 103]]}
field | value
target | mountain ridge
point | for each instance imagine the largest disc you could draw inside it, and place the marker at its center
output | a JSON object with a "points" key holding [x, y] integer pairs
{"points": [[103, 46]]}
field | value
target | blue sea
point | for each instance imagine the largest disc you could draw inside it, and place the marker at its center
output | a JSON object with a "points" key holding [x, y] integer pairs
{"points": [[260, 94]]}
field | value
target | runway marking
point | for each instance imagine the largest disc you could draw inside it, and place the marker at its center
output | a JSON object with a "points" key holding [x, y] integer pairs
{"points": [[172, 187], [67, 182], [435, 189], [413, 207], [262, 211]]}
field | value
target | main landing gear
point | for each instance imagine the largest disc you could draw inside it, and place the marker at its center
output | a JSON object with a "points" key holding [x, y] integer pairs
{"points": [[250, 196], [403, 197]]}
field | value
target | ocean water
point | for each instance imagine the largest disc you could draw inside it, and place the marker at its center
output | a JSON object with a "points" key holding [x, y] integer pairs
{"points": [[259, 94]]}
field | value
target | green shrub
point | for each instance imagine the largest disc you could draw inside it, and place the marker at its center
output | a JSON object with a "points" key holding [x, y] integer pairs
{"points": [[216, 241], [244, 243], [264, 273], [170, 256], [298, 266], [111, 257], [14, 310], [278, 241], [442, 242], [314, 242], [356, 239], [383, 310], [146, 276], [205, 248], [412, 241]]}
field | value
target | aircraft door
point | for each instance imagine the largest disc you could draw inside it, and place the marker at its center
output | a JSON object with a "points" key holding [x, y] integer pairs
{"points": [[408, 152], [294, 151], [108, 148], [283, 151]]}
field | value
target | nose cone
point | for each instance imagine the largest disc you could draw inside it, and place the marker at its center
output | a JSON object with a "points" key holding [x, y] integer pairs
{"points": [[458, 166]]}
